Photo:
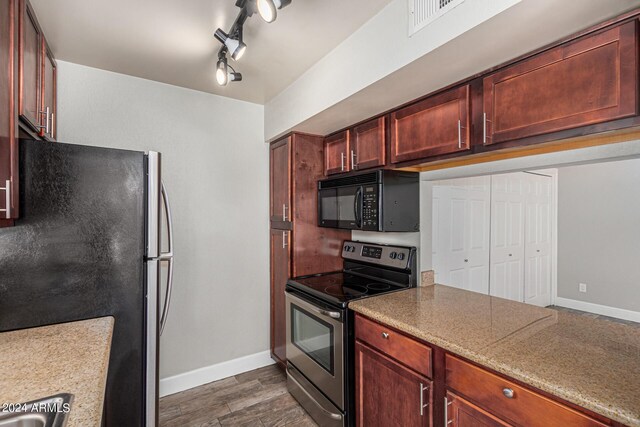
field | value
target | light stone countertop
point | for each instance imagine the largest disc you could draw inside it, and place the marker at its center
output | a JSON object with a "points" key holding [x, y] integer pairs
{"points": [[65, 358], [594, 363]]}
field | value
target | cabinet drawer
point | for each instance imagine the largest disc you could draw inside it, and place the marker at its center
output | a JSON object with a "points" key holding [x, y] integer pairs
{"points": [[524, 408], [407, 351]]}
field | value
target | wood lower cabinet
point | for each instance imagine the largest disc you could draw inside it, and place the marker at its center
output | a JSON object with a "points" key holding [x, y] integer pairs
{"points": [[389, 394], [298, 246], [590, 80], [336, 153], [461, 413], [280, 269], [434, 126], [367, 145]]}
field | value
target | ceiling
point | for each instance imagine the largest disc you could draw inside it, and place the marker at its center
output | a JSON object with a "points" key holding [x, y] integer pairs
{"points": [[171, 41]]}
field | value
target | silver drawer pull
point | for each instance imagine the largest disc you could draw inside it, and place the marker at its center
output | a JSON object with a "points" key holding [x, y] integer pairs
{"points": [[508, 393], [385, 335], [7, 198]]}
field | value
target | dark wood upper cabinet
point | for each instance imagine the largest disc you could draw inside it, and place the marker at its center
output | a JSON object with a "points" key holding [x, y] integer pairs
{"points": [[590, 80], [434, 126], [30, 67], [378, 378], [461, 413], [9, 179], [48, 90], [280, 172], [367, 145], [280, 273], [336, 153]]}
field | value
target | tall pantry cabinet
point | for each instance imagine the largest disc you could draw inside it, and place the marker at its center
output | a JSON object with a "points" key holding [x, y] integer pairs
{"points": [[297, 245]]}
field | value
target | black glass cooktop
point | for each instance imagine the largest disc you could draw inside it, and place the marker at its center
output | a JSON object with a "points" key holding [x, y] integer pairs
{"points": [[340, 288]]}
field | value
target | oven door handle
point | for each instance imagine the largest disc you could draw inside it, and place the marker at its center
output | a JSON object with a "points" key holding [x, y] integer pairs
{"points": [[334, 416]]}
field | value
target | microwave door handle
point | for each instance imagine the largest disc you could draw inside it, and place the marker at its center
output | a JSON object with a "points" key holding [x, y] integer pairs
{"points": [[356, 207]]}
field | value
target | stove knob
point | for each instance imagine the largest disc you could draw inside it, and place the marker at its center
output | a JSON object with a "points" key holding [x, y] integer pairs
{"points": [[400, 256], [393, 255]]}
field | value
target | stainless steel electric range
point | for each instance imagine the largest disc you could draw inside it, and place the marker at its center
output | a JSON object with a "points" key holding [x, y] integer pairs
{"points": [[320, 342]]}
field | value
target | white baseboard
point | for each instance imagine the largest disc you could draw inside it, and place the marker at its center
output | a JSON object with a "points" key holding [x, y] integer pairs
{"points": [[197, 377], [604, 310]]}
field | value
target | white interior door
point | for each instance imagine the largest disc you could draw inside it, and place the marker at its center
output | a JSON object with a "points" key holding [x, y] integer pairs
{"points": [[537, 252], [507, 236], [461, 210]]}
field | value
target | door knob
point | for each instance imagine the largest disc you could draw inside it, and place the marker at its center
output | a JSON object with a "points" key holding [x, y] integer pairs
{"points": [[385, 335]]}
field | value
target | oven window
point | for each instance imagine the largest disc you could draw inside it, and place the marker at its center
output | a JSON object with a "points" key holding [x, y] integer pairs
{"points": [[313, 336]]}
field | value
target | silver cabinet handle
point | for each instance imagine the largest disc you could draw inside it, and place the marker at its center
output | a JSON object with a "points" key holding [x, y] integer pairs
{"points": [[284, 212], [459, 134], [342, 162], [167, 256], [46, 113], [508, 393], [333, 416], [7, 198], [485, 135], [284, 239], [447, 421], [354, 165], [53, 125], [385, 335], [422, 404]]}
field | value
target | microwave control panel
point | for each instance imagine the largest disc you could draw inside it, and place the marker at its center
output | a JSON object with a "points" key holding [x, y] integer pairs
{"points": [[369, 207]]}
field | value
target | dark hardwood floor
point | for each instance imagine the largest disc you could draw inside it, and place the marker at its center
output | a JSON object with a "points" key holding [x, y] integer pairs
{"points": [[255, 398]]}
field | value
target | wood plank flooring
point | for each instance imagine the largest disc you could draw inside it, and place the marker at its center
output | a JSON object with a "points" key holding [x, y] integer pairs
{"points": [[256, 398]]}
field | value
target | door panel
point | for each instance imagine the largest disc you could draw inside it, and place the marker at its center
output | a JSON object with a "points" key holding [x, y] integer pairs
{"points": [[434, 126], [461, 233], [280, 165], [280, 270], [368, 145], [537, 280], [336, 153], [591, 80], [378, 378], [30, 66], [461, 413], [507, 236]]}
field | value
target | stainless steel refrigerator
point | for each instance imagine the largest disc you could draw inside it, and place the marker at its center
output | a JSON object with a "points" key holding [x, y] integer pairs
{"points": [[94, 239]]}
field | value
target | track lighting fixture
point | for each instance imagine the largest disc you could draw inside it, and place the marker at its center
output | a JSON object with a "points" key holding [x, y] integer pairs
{"points": [[232, 41], [236, 46], [223, 75], [268, 8]]}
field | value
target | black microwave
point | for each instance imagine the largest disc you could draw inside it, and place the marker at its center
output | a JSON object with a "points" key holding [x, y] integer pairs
{"points": [[382, 200]]}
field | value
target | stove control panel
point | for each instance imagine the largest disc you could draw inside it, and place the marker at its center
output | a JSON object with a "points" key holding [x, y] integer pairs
{"points": [[386, 255]]}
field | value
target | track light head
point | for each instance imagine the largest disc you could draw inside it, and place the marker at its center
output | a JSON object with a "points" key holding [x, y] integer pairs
{"points": [[268, 8], [236, 46], [221, 71]]}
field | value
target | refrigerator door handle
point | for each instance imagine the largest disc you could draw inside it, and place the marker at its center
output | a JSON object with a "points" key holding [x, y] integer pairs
{"points": [[167, 256]]}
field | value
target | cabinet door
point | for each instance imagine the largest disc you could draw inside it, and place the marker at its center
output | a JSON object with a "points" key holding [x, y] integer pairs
{"points": [[588, 81], [434, 126], [30, 66], [368, 145], [388, 394], [281, 181], [280, 268], [461, 413], [336, 153], [8, 119], [48, 127]]}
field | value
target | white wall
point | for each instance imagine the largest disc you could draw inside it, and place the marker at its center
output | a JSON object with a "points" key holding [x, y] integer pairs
{"points": [[599, 233], [215, 165]]}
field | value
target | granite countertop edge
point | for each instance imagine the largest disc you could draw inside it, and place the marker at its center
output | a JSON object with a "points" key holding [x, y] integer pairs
{"points": [[570, 395]]}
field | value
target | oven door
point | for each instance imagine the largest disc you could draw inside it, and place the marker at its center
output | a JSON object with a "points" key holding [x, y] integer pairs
{"points": [[340, 207], [315, 345]]}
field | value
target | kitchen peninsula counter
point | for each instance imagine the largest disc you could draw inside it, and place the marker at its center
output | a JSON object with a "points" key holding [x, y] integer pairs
{"points": [[593, 363]]}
